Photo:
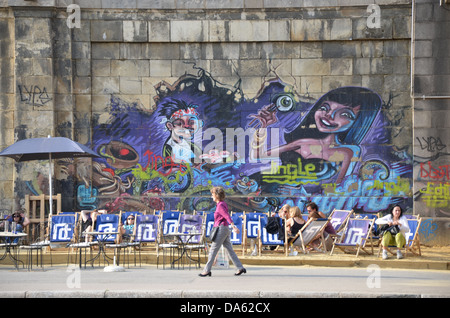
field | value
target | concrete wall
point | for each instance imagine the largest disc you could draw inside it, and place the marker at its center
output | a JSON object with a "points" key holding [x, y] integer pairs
{"points": [[114, 84]]}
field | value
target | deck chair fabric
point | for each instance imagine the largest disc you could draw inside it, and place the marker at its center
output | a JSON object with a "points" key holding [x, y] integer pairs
{"points": [[62, 228], [339, 218], [355, 237], [236, 239], [209, 223], [107, 223], [265, 238], [146, 228], [169, 221], [412, 237], [191, 223], [312, 230], [251, 228]]}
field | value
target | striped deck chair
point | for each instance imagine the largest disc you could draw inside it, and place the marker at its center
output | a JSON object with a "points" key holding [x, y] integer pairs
{"points": [[356, 235], [311, 231], [339, 218], [266, 238]]}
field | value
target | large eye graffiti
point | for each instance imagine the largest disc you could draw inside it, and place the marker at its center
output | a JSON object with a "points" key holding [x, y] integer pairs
{"points": [[119, 155], [284, 102]]}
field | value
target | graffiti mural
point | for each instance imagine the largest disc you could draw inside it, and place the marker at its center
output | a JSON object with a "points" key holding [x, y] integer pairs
{"points": [[277, 147]]}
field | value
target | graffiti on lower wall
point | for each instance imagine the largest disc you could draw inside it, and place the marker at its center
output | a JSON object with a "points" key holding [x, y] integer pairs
{"points": [[275, 148]]}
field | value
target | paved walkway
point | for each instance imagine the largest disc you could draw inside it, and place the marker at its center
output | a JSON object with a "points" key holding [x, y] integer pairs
{"points": [[269, 276]]}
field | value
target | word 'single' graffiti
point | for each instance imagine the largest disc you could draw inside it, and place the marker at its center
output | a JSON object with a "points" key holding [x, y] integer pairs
{"points": [[278, 147]]}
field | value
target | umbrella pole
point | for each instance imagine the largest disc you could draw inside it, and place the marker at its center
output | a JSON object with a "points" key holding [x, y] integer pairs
{"points": [[50, 185]]}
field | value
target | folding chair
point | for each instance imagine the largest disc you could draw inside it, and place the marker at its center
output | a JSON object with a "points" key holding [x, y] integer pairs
{"points": [[339, 218], [237, 217], [251, 227], [109, 223], [311, 231], [412, 238], [356, 235], [168, 224], [266, 238], [193, 224], [169, 221], [209, 223], [145, 232]]}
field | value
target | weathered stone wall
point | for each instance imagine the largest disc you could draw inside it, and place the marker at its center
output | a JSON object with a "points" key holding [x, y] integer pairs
{"points": [[106, 83]]}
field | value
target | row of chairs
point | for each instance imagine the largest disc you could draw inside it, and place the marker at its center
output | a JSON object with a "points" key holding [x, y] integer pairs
{"points": [[354, 231]]}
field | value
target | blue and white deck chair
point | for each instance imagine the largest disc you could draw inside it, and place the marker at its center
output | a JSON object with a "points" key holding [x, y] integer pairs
{"points": [[107, 223], [356, 235], [146, 228], [145, 232], [209, 223], [412, 237], [169, 222], [191, 224], [237, 217], [251, 229], [124, 215], [265, 238], [62, 228]]}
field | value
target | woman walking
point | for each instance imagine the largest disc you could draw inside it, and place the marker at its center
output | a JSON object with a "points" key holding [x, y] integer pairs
{"points": [[222, 220]]}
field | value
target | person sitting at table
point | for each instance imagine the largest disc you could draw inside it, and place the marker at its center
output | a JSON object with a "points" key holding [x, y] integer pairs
{"points": [[21, 221], [88, 218], [127, 229]]}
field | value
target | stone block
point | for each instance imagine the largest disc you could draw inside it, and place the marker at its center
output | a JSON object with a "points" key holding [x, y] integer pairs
{"points": [[130, 68], [135, 31], [106, 31], [158, 31], [130, 85], [310, 30], [341, 29], [189, 31], [249, 31], [303, 67], [279, 30], [160, 68], [105, 51]]}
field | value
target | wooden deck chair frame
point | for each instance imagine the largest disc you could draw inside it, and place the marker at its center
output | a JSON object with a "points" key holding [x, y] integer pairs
{"points": [[312, 230], [261, 231], [357, 245]]}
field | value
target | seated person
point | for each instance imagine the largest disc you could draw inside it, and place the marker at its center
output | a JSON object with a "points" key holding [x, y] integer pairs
{"points": [[294, 223], [127, 229], [397, 237]]}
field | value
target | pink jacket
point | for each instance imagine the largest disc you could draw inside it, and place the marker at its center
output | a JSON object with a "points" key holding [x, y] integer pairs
{"points": [[221, 216]]}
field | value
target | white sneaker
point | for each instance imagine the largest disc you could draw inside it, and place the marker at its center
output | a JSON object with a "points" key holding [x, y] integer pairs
{"points": [[399, 254], [384, 255]]}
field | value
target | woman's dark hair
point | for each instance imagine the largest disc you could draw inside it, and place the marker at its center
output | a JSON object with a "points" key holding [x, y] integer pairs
{"points": [[392, 210]]}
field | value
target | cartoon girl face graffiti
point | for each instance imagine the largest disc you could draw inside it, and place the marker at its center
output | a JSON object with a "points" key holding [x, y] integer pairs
{"points": [[183, 124], [333, 117]]}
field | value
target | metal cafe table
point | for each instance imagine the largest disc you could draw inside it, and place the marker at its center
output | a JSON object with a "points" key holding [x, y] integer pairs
{"points": [[102, 238], [182, 239], [8, 238]]}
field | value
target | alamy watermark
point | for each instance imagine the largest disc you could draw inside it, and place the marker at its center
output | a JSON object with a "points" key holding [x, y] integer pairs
{"points": [[74, 18]]}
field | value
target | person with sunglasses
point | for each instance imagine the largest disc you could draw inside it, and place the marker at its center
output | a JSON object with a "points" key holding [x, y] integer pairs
{"points": [[127, 229]]}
